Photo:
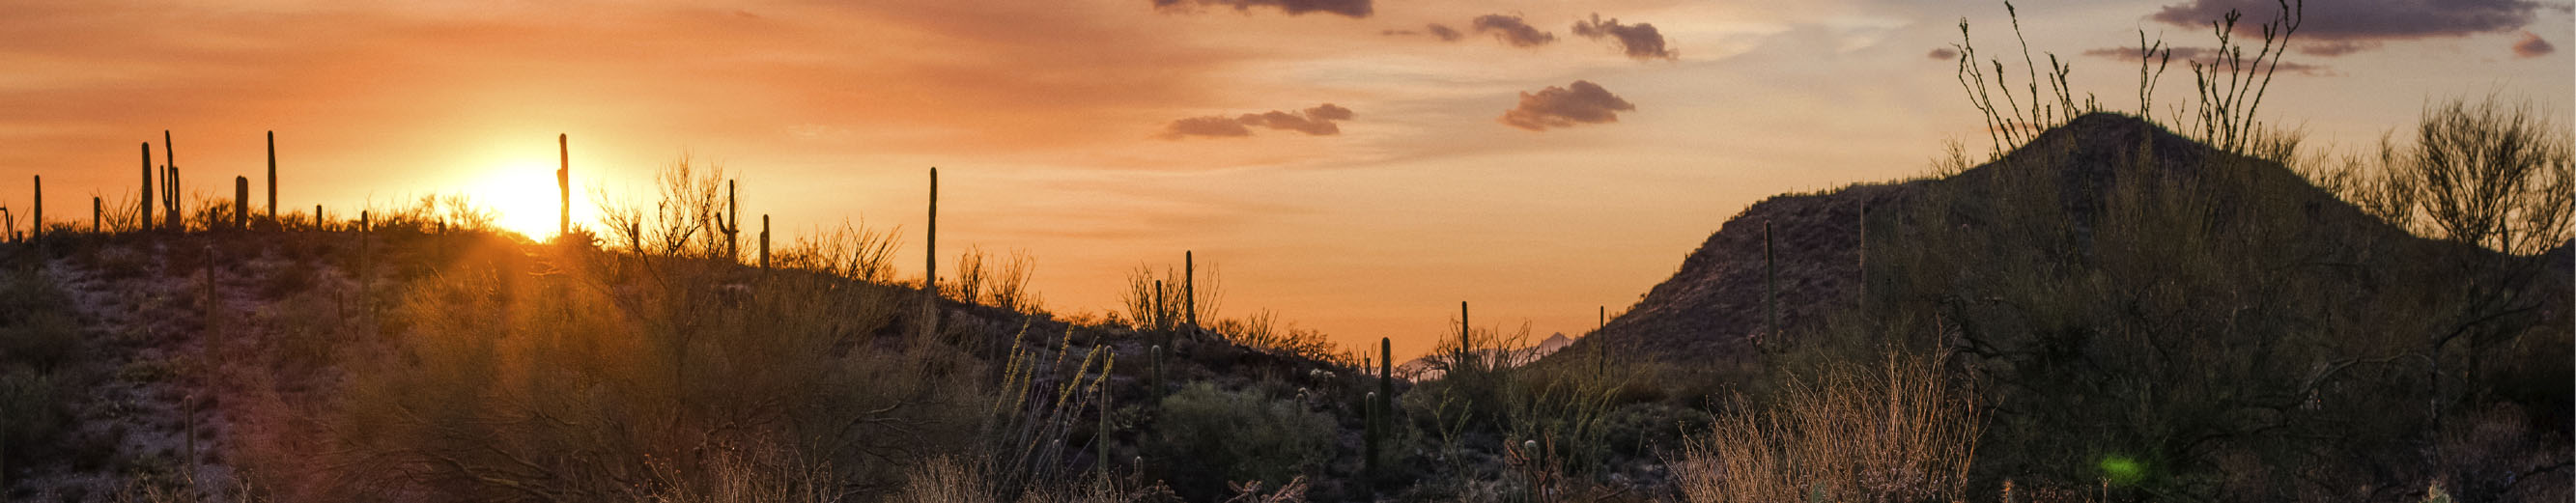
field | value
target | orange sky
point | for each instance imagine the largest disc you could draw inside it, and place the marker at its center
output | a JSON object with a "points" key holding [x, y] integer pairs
{"points": [[1052, 122]]}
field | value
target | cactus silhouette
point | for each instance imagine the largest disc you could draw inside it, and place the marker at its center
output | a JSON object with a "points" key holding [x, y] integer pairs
{"points": [[96, 207], [1189, 288], [764, 242], [272, 178], [930, 266], [563, 185], [729, 224], [39, 231], [241, 202], [170, 185], [146, 214]]}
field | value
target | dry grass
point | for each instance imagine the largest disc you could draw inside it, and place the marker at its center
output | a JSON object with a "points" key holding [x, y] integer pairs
{"points": [[1902, 431]]}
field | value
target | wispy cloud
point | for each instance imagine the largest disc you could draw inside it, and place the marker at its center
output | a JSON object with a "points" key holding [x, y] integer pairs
{"points": [[1352, 8], [2532, 46], [2365, 19], [1512, 30], [1582, 102], [1639, 41], [1317, 121]]}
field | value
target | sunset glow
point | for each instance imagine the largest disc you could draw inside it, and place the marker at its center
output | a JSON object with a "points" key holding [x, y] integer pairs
{"points": [[1359, 172]]}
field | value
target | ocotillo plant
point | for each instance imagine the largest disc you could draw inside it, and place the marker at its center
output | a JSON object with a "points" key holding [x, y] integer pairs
{"points": [[146, 214], [563, 185], [272, 178], [930, 266], [241, 202]]}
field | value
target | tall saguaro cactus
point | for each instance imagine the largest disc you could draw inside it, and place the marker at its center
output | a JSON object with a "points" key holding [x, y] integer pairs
{"points": [[764, 242], [1189, 288], [241, 202], [563, 184], [170, 185], [97, 207], [272, 178], [730, 224], [146, 214], [930, 263], [39, 232]]}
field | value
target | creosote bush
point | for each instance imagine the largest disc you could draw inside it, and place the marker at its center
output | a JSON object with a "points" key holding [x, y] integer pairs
{"points": [[1207, 437], [1900, 431]]}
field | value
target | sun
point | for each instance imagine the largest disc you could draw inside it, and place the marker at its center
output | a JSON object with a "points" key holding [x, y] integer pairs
{"points": [[523, 197]]}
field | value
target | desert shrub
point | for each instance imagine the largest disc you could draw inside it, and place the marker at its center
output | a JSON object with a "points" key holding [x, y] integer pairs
{"points": [[2491, 173], [577, 384], [1262, 331], [1207, 437], [1146, 308], [1902, 431], [34, 414]]}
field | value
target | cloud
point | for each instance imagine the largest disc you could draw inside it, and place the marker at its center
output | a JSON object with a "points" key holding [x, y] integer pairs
{"points": [[1445, 33], [1582, 102], [2337, 48], [1351, 8], [2181, 55], [1640, 40], [2532, 46], [2365, 19], [1317, 121], [1510, 29], [1436, 30], [1944, 54], [1213, 126]]}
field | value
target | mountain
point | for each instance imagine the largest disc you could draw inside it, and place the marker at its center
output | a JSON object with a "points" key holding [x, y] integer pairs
{"points": [[1713, 306]]}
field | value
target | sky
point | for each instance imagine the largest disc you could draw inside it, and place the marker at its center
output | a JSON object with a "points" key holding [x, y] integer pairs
{"points": [[1356, 167]]}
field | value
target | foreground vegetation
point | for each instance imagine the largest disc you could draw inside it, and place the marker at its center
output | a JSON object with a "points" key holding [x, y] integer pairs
{"points": [[2102, 311]]}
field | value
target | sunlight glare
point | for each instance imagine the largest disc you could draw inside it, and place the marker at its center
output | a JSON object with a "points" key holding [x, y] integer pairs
{"points": [[523, 197]]}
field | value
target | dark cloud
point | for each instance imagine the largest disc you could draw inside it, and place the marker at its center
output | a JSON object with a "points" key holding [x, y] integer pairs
{"points": [[2183, 55], [1640, 40], [2532, 46], [2337, 48], [1214, 126], [2365, 19], [1582, 102], [1944, 54], [1512, 30], [1436, 30], [1352, 8], [1445, 33], [1317, 121]]}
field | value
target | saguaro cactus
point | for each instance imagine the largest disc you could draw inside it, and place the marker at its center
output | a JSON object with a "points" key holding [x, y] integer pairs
{"points": [[97, 207], [1189, 288], [1381, 405], [241, 202], [39, 231], [272, 178], [563, 184], [764, 242], [730, 224], [930, 264], [1465, 346], [170, 185], [146, 214]]}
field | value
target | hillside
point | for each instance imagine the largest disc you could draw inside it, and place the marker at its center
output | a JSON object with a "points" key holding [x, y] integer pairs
{"points": [[1713, 306]]}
